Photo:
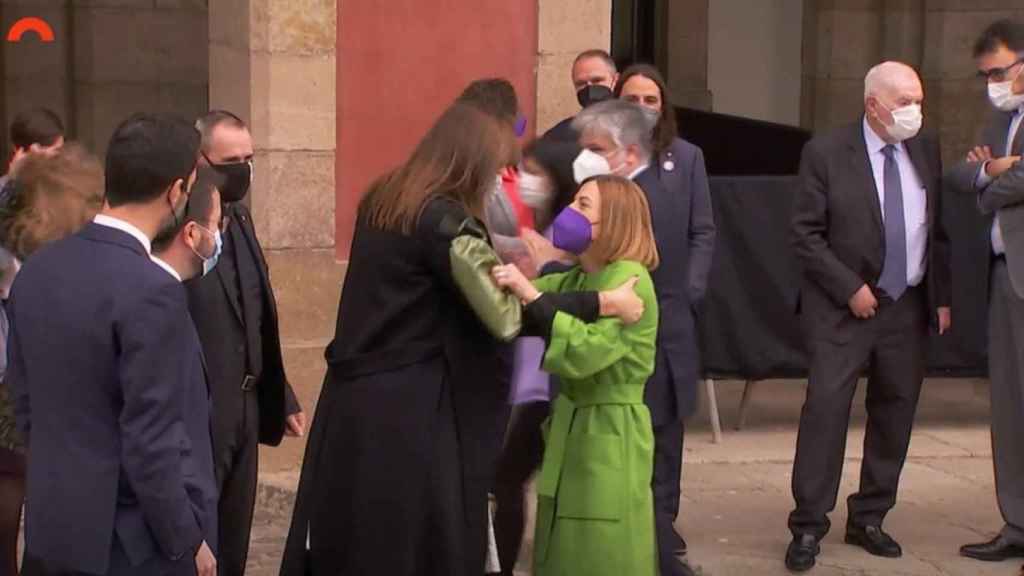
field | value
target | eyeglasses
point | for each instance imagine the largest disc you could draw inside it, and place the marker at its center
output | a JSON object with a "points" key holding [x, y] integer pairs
{"points": [[998, 74]]}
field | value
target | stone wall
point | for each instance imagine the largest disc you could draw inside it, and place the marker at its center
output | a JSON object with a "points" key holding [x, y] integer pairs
{"points": [[566, 28], [110, 58], [844, 38]]}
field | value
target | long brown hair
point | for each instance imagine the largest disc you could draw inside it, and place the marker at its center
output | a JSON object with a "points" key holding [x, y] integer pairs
{"points": [[459, 158], [626, 229], [665, 131], [52, 197]]}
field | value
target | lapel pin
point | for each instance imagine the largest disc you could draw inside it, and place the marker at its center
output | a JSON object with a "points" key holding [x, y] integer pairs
{"points": [[669, 165]]}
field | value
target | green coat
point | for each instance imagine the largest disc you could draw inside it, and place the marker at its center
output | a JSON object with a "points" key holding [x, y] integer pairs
{"points": [[595, 511]]}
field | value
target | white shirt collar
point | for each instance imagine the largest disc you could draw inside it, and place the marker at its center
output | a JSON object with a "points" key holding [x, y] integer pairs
{"points": [[118, 224], [874, 142], [159, 262], [639, 170]]}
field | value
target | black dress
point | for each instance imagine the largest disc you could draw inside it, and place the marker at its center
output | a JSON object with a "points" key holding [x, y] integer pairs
{"points": [[409, 421]]}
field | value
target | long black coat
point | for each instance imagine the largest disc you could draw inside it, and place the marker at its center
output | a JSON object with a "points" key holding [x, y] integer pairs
{"points": [[410, 418]]}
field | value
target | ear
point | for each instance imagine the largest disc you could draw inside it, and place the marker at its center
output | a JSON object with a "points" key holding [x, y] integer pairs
{"points": [[176, 191]]}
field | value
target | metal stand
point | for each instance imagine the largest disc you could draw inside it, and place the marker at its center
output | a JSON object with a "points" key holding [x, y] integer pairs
{"points": [[748, 393], [716, 422]]}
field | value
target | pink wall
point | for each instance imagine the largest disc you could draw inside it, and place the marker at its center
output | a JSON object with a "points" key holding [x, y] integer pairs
{"points": [[401, 62]]}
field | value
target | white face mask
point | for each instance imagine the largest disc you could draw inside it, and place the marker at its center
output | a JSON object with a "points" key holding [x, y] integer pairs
{"points": [[906, 122], [589, 164], [534, 190], [1001, 95]]}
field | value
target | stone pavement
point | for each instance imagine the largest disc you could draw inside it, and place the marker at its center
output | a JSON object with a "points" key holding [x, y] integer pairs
{"points": [[736, 494]]}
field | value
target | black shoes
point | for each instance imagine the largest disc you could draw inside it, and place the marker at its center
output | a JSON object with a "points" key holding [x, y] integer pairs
{"points": [[874, 540], [802, 552], [994, 550]]}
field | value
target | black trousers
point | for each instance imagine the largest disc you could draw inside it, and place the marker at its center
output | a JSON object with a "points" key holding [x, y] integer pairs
{"points": [[668, 470], [520, 457], [891, 345], [236, 464]]}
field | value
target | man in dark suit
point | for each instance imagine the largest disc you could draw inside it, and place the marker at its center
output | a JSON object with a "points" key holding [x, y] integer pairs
{"points": [[994, 173], [867, 231], [104, 365], [236, 315], [594, 75], [617, 138]]}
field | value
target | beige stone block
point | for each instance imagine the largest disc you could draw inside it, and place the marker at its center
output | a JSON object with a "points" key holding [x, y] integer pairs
{"points": [[556, 98], [298, 27], [949, 39], [855, 43], [230, 74], [294, 101], [305, 367], [573, 25], [101, 107], [229, 23], [307, 284], [143, 46], [293, 199], [24, 94], [973, 5], [837, 102]]}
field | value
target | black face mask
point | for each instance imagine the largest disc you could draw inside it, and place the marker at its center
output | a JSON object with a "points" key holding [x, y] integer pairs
{"points": [[237, 178], [592, 94]]}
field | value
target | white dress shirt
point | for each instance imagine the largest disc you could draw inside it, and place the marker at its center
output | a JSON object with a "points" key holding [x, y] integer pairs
{"points": [[983, 180], [915, 200], [161, 263], [118, 224], [639, 170]]}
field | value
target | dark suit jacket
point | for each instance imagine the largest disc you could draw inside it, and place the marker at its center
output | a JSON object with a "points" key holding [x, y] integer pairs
{"points": [[671, 392], [1004, 195], [837, 230], [106, 374], [562, 132], [219, 320], [681, 170]]}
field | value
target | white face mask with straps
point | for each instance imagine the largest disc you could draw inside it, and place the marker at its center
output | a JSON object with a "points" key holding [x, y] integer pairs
{"points": [[907, 122], [534, 190]]}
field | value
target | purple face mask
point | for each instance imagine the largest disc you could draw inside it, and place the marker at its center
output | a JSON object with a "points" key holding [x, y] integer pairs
{"points": [[520, 126], [571, 231]]}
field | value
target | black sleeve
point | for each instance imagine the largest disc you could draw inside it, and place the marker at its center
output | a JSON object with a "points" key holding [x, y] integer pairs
{"points": [[555, 267], [540, 314]]}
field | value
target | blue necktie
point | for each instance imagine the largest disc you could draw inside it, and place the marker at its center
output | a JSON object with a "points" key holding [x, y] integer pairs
{"points": [[894, 270]]}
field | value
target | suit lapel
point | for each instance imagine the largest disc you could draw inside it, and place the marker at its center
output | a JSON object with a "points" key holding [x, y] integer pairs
{"points": [[865, 179], [225, 283]]}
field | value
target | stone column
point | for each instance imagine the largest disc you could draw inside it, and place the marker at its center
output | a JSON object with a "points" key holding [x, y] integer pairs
{"points": [[566, 28], [685, 37], [273, 63]]}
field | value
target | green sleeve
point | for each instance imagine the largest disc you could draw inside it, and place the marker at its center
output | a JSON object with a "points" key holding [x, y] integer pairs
{"points": [[578, 350], [553, 282]]}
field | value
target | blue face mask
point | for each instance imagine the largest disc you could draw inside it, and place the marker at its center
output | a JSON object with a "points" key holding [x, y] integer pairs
{"points": [[218, 244]]}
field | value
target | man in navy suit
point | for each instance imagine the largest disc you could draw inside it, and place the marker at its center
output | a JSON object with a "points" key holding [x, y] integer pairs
{"points": [[617, 138], [102, 357]]}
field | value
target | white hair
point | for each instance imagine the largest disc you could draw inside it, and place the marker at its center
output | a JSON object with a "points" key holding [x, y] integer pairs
{"points": [[624, 122], [883, 76]]}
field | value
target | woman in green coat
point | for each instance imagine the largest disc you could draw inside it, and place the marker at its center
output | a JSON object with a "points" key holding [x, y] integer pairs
{"points": [[595, 511]]}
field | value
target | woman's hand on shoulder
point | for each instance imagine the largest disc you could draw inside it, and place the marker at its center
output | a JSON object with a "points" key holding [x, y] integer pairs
{"points": [[623, 302]]}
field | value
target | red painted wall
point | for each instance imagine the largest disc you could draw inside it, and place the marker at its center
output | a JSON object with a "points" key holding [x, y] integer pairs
{"points": [[401, 62]]}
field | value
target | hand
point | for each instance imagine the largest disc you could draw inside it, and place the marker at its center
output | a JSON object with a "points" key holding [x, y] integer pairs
{"points": [[510, 278], [296, 425], [863, 304], [542, 250], [945, 319], [623, 302], [995, 168], [980, 154], [206, 564]]}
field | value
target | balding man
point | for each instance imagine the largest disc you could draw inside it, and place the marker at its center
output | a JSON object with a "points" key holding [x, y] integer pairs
{"points": [[875, 260], [594, 76]]}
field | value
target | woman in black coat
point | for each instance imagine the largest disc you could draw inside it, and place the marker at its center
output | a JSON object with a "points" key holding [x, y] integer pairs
{"points": [[397, 468]]}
